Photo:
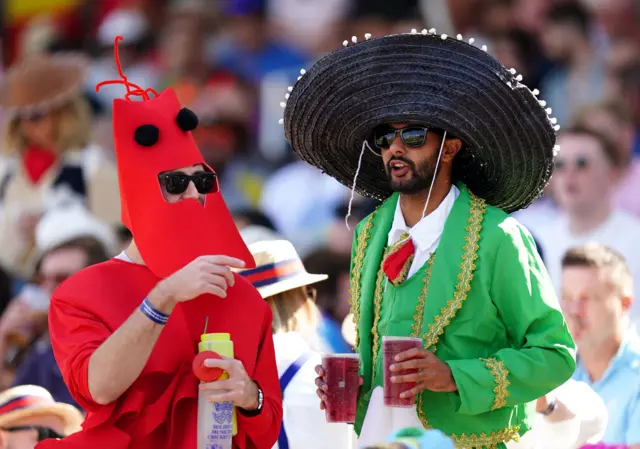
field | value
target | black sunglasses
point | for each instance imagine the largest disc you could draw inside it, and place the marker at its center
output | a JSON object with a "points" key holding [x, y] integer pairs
{"points": [[44, 433], [177, 183], [580, 163], [412, 136]]}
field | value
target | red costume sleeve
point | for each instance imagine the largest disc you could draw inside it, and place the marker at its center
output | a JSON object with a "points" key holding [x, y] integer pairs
{"points": [[262, 430], [75, 335]]}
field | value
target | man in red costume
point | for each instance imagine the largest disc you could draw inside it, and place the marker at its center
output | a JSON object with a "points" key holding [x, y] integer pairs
{"points": [[125, 332]]}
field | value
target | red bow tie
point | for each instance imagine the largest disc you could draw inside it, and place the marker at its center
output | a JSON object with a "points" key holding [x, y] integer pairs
{"points": [[398, 260]]}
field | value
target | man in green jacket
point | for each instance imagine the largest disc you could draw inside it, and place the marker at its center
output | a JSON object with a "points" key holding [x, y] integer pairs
{"points": [[452, 142]]}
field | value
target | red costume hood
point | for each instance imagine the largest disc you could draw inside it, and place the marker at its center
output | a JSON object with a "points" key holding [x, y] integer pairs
{"points": [[168, 235]]}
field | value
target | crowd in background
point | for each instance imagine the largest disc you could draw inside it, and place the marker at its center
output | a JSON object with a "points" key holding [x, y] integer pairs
{"points": [[231, 62]]}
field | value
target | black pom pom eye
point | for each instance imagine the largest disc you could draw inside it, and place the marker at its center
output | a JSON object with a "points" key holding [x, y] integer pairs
{"points": [[147, 135], [187, 120]]}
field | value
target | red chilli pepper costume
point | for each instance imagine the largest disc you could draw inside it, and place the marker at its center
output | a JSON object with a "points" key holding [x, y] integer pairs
{"points": [[160, 409]]}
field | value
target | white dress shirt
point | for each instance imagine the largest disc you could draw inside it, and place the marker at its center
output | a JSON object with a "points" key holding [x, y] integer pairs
{"points": [[380, 420], [305, 424]]}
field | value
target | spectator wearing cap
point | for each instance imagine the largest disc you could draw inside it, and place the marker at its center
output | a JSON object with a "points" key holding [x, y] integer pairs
{"points": [[68, 239], [284, 283], [28, 415], [48, 139]]}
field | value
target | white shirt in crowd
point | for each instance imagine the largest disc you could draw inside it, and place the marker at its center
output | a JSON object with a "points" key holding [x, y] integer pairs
{"points": [[305, 424], [620, 232]]}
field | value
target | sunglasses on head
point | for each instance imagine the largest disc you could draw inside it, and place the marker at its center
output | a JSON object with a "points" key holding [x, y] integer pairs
{"points": [[177, 183], [580, 163], [411, 136]]}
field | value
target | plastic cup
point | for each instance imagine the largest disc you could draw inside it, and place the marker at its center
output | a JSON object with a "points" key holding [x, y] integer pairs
{"points": [[343, 382], [391, 347]]}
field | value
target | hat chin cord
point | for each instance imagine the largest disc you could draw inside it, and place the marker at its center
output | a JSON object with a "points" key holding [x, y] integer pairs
{"points": [[365, 144]]}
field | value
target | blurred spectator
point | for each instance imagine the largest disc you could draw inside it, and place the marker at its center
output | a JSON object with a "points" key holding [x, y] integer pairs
{"points": [[248, 48], [68, 240], [580, 75], [521, 50], [245, 218], [284, 283], [28, 415], [301, 201], [47, 135], [414, 438], [332, 295], [585, 179], [625, 86], [614, 121], [133, 26], [597, 292]]}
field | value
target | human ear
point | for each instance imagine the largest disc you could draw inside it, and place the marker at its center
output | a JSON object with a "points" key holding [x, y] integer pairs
{"points": [[451, 148]]}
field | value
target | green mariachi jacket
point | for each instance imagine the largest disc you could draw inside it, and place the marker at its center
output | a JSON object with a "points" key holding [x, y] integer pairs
{"points": [[489, 311]]}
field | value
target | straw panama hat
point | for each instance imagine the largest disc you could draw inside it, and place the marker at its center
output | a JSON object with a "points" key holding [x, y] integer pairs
{"points": [[42, 82], [440, 81], [28, 401], [278, 268]]}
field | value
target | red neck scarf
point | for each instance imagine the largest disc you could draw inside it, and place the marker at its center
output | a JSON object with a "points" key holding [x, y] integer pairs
{"points": [[37, 161]]}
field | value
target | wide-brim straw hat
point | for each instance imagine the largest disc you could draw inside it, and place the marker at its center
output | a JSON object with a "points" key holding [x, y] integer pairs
{"points": [[443, 82], [278, 268], [30, 401], [41, 83]]}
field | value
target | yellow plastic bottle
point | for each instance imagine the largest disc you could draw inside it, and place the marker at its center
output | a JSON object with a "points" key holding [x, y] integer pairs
{"points": [[220, 343]]}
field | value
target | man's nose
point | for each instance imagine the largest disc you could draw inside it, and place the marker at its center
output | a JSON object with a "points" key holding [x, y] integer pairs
{"points": [[191, 191], [397, 146]]}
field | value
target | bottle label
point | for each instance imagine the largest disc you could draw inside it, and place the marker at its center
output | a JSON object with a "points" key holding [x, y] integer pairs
{"points": [[221, 425]]}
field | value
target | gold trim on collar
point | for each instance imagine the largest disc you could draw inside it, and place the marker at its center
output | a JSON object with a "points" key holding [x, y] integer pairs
{"points": [[501, 374]]}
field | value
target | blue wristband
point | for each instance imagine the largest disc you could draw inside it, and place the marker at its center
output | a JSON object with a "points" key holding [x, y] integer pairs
{"points": [[152, 313]]}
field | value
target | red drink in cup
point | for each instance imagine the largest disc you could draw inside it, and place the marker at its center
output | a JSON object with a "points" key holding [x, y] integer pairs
{"points": [[343, 382], [391, 347]]}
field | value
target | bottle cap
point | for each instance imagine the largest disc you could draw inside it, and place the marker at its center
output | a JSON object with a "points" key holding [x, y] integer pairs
{"points": [[221, 336], [205, 373]]}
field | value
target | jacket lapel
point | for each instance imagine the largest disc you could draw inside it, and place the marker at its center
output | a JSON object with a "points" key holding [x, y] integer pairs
{"points": [[454, 266]]}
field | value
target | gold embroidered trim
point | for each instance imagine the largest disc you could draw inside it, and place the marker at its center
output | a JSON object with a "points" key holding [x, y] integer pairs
{"points": [[377, 306], [500, 373], [402, 276], [354, 297], [467, 268], [419, 315], [485, 441]]}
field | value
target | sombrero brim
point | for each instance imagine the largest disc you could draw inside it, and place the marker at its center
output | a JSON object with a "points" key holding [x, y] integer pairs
{"points": [[70, 415], [443, 82], [42, 83], [291, 283]]}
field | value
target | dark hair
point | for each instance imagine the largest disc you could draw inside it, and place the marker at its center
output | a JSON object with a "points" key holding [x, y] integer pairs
{"points": [[255, 217], [608, 147], [571, 13], [333, 264], [95, 250]]}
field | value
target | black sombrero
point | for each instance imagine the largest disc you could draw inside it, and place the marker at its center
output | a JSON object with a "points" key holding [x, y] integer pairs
{"points": [[509, 138]]}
